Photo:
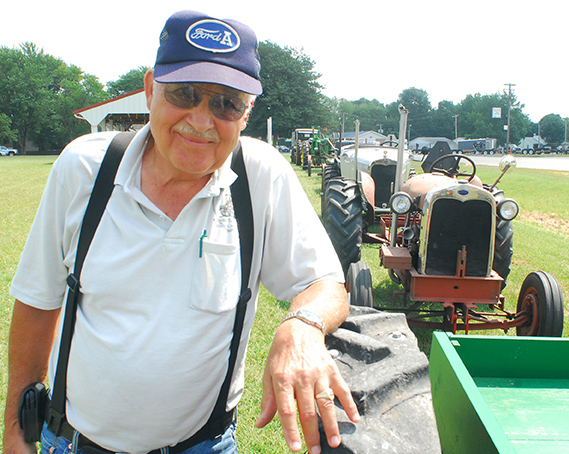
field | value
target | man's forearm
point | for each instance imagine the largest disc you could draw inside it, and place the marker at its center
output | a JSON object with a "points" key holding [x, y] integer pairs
{"points": [[31, 337], [326, 298]]}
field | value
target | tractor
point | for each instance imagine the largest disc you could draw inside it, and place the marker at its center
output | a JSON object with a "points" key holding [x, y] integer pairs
{"points": [[446, 239], [310, 147]]}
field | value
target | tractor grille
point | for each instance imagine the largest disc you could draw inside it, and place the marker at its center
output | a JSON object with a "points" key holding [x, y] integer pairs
{"points": [[384, 177], [455, 224]]}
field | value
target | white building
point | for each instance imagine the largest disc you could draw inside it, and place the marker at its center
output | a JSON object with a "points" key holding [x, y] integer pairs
{"points": [[529, 142], [120, 113], [365, 137]]}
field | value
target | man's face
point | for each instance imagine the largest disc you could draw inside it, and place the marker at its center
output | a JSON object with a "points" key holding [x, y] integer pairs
{"points": [[193, 142]]}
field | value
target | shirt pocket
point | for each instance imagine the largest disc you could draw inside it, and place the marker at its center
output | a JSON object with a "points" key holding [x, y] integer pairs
{"points": [[216, 281]]}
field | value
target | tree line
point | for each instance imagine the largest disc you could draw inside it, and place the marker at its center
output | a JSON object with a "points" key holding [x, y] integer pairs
{"points": [[39, 92]]}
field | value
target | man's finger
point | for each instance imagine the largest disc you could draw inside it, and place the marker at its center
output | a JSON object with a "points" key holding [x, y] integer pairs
{"points": [[325, 401], [344, 395], [286, 405], [308, 417], [268, 404]]}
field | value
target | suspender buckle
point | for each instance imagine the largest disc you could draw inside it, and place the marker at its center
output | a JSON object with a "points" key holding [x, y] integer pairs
{"points": [[73, 283]]}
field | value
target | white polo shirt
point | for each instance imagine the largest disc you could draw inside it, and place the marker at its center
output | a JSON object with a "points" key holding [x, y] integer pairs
{"points": [[153, 329]]}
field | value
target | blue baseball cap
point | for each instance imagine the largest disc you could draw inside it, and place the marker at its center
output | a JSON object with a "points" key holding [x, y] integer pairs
{"points": [[195, 47]]}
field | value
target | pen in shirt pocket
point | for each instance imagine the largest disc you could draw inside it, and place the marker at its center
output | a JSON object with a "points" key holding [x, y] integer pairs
{"points": [[204, 235]]}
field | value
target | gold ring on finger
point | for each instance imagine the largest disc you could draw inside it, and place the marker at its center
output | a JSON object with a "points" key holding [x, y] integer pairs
{"points": [[328, 395]]}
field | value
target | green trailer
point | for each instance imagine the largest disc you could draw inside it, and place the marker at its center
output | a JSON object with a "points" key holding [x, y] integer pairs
{"points": [[500, 394]]}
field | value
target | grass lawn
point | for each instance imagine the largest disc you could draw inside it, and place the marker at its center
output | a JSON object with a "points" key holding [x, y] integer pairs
{"points": [[541, 242]]}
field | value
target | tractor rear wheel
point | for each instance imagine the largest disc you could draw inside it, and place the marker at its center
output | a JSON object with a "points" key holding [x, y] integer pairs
{"points": [[541, 299], [343, 219], [359, 285]]}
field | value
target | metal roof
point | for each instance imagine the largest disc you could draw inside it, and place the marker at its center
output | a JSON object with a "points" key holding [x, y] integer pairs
{"points": [[124, 110]]}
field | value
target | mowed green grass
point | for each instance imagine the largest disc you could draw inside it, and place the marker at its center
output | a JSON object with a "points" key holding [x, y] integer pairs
{"points": [[541, 242]]}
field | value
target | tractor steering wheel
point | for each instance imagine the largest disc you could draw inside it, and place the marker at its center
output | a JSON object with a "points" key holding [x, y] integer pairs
{"points": [[453, 171]]}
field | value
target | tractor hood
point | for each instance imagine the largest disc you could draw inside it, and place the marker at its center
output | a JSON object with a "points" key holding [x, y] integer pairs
{"points": [[420, 185]]}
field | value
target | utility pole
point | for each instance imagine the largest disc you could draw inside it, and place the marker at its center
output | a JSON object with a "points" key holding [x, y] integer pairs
{"points": [[509, 110], [456, 129]]}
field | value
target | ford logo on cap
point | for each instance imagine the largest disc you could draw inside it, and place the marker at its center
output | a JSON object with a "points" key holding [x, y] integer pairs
{"points": [[213, 36]]}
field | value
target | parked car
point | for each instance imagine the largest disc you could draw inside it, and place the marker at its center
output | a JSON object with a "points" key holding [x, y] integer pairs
{"points": [[5, 151]]}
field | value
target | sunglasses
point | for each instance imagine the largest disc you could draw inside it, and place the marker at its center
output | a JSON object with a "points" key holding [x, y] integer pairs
{"points": [[187, 96]]}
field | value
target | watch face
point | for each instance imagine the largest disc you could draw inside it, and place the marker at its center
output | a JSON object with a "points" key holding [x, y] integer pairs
{"points": [[308, 317], [311, 317]]}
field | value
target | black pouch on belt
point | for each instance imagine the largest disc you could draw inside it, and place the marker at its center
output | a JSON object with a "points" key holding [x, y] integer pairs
{"points": [[31, 411]]}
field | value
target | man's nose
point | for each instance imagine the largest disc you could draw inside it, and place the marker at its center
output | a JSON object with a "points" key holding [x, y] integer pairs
{"points": [[201, 117]]}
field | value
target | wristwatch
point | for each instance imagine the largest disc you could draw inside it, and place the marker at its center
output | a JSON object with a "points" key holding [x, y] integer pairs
{"points": [[307, 317]]}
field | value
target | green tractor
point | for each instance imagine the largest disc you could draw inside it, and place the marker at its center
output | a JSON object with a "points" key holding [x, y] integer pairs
{"points": [[309, 147]]}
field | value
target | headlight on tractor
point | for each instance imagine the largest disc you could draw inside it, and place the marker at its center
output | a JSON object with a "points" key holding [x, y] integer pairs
{"points": [[400, 203], [507, 209]]}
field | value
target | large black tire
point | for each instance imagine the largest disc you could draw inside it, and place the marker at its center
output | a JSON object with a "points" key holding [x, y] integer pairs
{"points": [[541, 298], [359, 285], [328, 172], [343, 220], [378, 356], [503, 244]]}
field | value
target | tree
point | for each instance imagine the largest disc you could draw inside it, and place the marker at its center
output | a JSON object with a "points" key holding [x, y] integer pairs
{"points": [[552, 129], [416, 101], [475, 118], [39, 93], [372, 114], [443, 120], [127, 83], [7, 135], [291, 93]]}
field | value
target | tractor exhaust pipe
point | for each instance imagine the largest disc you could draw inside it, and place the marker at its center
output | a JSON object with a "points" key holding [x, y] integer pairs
{"points": [[400, 150]]}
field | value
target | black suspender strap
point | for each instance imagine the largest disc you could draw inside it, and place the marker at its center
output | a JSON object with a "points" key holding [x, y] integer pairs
{"points": [[100, 194], [241, 197], [219, 419]]}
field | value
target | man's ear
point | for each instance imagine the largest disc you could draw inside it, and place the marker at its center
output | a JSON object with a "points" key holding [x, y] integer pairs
{"points": [[149, 87], [245, 119]]}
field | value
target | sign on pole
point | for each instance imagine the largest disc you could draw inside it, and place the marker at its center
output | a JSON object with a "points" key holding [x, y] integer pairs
{"points": [[496, 112]]}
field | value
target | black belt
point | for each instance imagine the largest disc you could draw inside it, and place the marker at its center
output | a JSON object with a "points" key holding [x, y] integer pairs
{"points": [[211, 430]]}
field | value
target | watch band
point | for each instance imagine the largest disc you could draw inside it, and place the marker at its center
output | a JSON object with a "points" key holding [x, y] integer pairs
{"points": [[309, 317]]}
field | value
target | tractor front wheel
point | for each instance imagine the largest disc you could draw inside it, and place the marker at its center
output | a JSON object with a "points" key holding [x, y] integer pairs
{"points": [[541, 299], [343, 219], [359, 285], [328, 172]]}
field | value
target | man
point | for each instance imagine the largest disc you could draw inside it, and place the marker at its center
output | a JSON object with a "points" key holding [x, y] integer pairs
{"points": [[162, 277]]}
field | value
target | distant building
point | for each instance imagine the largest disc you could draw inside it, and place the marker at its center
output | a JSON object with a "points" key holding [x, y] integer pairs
{"points": [[532, 142], [120, 113], [365, 137]]}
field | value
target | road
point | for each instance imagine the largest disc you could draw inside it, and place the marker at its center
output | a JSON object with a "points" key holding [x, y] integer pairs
{"points": [[551, 162]]}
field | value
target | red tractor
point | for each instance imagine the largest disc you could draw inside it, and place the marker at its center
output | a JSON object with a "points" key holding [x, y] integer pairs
{"points": [[447, 239]]}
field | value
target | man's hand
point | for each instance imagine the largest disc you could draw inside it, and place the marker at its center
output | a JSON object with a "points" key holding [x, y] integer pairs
{"points": [[298, 368], [32, 334], [13, 442]]}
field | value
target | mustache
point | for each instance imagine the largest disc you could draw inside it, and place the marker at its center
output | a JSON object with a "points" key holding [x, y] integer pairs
{"points": [[187, 129]]}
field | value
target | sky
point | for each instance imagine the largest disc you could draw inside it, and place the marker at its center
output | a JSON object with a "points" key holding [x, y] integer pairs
{"points": [[371, 49]]}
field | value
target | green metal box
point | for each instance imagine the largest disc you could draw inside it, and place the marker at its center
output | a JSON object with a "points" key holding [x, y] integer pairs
{"points": [[500, 394]]}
